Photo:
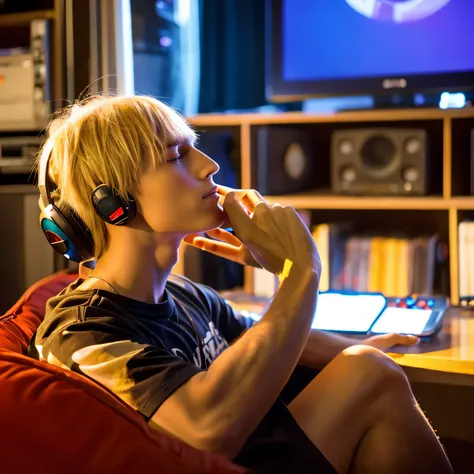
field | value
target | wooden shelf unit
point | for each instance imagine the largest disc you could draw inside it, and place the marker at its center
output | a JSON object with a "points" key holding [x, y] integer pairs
{"points": [[25, 18], [447, 200]]}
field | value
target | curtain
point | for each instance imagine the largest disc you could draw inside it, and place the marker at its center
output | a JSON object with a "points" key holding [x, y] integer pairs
{"points": [[187, 98], [232, 55], [166, 51]]}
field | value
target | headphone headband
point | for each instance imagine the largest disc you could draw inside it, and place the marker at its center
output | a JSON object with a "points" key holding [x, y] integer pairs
{"points": [[44, 181]]}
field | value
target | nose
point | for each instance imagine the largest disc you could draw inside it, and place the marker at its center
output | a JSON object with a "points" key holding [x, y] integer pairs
{"points": [[207, 166]]}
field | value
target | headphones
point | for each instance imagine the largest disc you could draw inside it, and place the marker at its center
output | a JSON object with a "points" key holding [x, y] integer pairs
{"points": [[64, 229]]}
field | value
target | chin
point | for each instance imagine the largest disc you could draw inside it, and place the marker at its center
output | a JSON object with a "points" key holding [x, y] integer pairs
{"points": [[216, 222], [211, 221]]}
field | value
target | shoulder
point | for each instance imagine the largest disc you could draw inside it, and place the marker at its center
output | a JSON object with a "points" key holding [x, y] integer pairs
{"points": [[66, 307], [185, 289], [74, 304], [82, 310]]}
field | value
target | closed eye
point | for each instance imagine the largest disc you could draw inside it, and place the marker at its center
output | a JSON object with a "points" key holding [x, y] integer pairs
{"points": [[180, 152], [176, 160]]}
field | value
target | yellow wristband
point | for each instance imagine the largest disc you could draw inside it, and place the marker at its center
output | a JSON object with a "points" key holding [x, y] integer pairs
{"points": [[286, 270]]}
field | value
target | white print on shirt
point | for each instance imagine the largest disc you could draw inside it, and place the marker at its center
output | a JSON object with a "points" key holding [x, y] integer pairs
{"points": [[213, 345]]}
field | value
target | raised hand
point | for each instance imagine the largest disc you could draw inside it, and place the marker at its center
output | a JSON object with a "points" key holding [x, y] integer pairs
{"points": [[271, 234], [227, 246]]}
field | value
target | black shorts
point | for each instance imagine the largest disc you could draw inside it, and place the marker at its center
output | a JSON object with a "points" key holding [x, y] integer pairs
{"points": [[280, 446]]}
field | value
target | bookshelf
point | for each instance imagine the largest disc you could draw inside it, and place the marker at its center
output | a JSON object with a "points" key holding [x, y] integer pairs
{"points": [[447, 204]]}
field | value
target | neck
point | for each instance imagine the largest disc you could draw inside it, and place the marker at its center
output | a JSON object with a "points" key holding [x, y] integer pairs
{"points": [[135, 269]]}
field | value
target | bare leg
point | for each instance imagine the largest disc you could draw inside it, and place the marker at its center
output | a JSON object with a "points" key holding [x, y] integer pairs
{"points": [[361, 414]]}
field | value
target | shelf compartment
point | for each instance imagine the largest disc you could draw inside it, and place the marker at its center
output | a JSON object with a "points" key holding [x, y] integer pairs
{"points": [[461, 151]]}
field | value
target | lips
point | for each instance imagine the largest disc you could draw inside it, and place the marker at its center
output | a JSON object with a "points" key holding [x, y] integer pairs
{"points": [[210, 193]]}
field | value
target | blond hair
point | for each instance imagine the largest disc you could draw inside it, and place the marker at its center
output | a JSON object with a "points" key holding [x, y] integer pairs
{"points": [[105, 140]]}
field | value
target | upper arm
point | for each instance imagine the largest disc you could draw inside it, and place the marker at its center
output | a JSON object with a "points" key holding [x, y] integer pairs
{"points": [[121, 360], [185, 415], [165, 389]]}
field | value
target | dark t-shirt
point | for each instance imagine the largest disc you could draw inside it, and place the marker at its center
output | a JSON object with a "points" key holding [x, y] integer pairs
{"points": [[144, 352], [140, 351]]}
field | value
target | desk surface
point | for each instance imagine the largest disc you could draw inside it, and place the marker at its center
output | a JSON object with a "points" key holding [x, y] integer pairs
{"points": [[450, 351]]}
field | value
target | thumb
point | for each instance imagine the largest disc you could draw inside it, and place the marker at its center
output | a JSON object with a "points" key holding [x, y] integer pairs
{"points": [[190, 239]]}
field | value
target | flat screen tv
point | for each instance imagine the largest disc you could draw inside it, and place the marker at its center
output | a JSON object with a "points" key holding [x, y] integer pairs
{"points": [[320, 48]]}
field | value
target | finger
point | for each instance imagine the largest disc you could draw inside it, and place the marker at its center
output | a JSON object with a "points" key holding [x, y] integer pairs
{"points": [[394, 339], [239, 217], [189, 238], [406, 339], [264, 217], [251, 199], [221, 249], [232, 252], [224, 190], [248, 197], [224, 236]]}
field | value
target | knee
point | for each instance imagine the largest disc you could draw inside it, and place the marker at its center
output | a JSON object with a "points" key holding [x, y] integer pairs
{"points": [[372, 368]]}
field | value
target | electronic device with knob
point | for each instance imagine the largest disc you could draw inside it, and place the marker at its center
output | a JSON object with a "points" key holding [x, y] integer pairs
{"points": [[379, 161]]}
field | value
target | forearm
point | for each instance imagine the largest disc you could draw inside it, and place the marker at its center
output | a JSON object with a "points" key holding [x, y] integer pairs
{"points": [[243, 383], [321, 347]]}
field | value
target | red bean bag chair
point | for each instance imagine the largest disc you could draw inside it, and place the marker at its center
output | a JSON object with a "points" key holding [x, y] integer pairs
{"points": [[55, 421]]}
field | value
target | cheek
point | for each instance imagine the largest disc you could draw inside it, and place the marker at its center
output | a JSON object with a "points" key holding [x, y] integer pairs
{"points": [[168, 201]]}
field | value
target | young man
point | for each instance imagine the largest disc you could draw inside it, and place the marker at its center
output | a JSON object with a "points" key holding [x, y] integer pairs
{"points": [[175, 351]]}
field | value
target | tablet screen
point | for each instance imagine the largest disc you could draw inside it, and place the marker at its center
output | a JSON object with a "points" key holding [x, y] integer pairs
{"points": [[351, 313], [402, 321]]}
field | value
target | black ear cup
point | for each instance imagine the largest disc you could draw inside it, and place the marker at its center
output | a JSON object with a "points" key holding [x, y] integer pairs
{"points": [[112, 208], [67, 234]]}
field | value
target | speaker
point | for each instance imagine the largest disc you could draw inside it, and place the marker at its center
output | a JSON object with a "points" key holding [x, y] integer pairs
{"points": [[379, 161], [284, 161]]}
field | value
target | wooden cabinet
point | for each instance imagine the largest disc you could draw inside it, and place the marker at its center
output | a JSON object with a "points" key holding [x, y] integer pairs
{"points": [[25, 255]]}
